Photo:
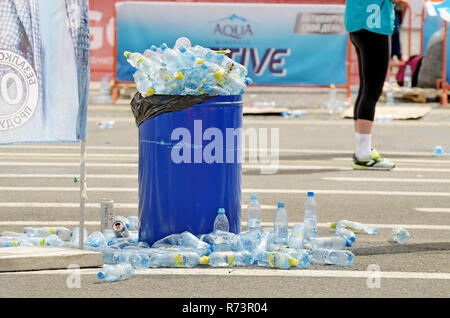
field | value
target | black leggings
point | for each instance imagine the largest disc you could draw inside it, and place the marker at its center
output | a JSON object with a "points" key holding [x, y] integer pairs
{"points": [[373, 50]]}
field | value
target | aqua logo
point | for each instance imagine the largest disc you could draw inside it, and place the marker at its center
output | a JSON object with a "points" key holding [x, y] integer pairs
{"points": [[233, 27]]}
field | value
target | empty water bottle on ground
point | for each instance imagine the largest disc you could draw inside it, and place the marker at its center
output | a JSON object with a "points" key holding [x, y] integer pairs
{"points": [[390, 93], [280, 225], [62, 232], [168, 241], [134, 223], [189, 240], [96, 239], [310, 217], [117, 272], [250, 239], [221, 221], [302, 256], [346, 234], [296, 239], [400, 235], [331, 242], [355, 227], [228, 259], [264, 242], [438, 151], [223, 241], [75, 236], [174, 259], [137, 260], [332, 257], [407, 80], [275, 260], [254, 214], [297, 113]]}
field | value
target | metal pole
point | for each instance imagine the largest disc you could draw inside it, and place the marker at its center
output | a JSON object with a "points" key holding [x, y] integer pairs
{"points": [[83, 191]]}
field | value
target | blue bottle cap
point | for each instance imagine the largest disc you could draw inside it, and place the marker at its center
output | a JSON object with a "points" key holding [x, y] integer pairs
{"points": [[163, 46], [310, 194], [253, 197], [280, 204], [221, 211], [182, 48], [101, 274], [153, 48], [352, 239], [348, 243]]}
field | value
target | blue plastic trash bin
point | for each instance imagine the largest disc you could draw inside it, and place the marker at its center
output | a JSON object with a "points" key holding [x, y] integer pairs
{"points": [[189, 167]]}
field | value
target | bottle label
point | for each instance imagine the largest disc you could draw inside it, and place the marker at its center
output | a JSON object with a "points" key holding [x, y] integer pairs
{"points": [[253, 224], [179, 260], [230, 260], [52, 230]]}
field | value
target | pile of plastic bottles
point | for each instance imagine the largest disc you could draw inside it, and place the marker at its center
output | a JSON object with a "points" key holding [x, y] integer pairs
{"points": [[187, 70], [278, 247]]}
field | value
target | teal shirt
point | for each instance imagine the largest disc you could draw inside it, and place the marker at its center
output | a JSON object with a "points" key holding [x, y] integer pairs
{"points": [[372, 15]]}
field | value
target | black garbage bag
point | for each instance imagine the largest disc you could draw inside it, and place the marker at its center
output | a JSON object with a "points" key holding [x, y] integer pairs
{"points": [[144, 108]]}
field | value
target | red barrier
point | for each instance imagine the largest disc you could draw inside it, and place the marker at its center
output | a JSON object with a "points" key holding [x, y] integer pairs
{"points": [[103, 37]]}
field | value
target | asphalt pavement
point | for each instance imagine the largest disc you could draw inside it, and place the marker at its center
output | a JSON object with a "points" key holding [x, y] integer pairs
{"points": [[37, 188]]}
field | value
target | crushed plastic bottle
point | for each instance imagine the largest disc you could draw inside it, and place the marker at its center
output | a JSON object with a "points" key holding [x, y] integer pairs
{"points": [[134, 222], [303, 257], [74, 236], [106, 124], [222, 241], [355, 227], [189, 240], [264, 242], [228, 259], [118, 272], [280, 224], [346, 234], [407, 79], [296, 239], [137, 260], [390, 93], [438, 151], [62, 232], [332, 257], [250, 239], [310, 217], [96, 239], [221, 221], [254, 214], [168, 241], [400, 235]]}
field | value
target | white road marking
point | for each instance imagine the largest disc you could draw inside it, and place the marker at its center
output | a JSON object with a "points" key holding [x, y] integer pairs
{"points": [[278, 191], [59, 175], [402, 180], [433, 210], [252, 272], [40, 154]]}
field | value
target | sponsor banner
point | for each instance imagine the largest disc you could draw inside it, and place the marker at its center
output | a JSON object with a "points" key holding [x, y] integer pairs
{"points": [[44, 71], [285, 44]]}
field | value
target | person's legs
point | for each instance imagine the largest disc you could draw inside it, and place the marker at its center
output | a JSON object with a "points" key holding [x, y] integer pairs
{"points": [[373, 59]]}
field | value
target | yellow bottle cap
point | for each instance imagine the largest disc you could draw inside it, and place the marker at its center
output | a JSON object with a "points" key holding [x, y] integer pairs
{"points": [[204, 259], [333, 225], [199, 61], [332, 86], [293, 262], [218, 74], [179, 76], [127, 54], [150, 92]]}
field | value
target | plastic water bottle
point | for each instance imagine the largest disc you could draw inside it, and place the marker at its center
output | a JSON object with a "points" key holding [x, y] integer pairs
{"points": [[74, 236], [96, 239], [400, 235], [355, 227], [390, 93], [250, 239], [124, 220], [144, 84], [137, 260], [62, 232], [276, 260], [438, 151], [221, 221], [296, 239], [280, 225], [189, 240], [222, 241], [310, 217], [266, 239], [346, 234], [174, 259], [254, 214], [113, 273], [228, 259], [134, 223], [297, 113], [108, 253], [407, 80], [331, 243], [302, 256], [168, 241], [332, 257]]}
